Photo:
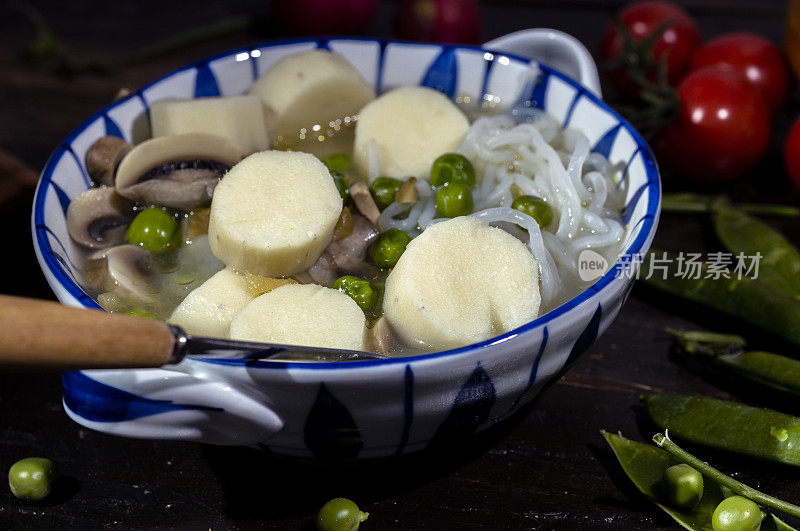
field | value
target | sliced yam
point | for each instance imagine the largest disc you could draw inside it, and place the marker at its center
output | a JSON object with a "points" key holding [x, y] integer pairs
{"points": [[238, 119], [209, 308], [274, 213], [460, 282], [302, 314], [310, 89], [408, 127]]}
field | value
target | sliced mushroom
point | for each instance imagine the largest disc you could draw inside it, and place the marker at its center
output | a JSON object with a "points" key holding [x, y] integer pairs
{"points": [[103, 158], [381, 338], [346, 256], [179, 171], [98, 218], [364, 201], [126, 267]]}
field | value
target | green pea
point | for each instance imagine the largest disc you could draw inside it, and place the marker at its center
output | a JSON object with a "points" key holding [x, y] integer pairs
{"points": [[337, 161], [454, 200], [32, 478], [737, 514], [683, 486], [357, 289], [155, 230], [386, 250], [341, 182], [536, 208], [452, 168], [340, 514], [383, 190]]}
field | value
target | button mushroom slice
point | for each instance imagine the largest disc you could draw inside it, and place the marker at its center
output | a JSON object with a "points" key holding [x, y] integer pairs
{"points": [[380, 338], [359, 191], [98, 218], [179, 171], [103, 158], [346, 256], [129, 267]]}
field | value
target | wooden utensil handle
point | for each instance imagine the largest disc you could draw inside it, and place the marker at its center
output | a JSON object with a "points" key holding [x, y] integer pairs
{"points": [[47, 334]]}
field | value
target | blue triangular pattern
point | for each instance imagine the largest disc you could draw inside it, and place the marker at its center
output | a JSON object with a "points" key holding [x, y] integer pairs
{"points": [[571, 109], [71, 151], [63, 249], [330, 431], [539, 90], [100, 402], [408, 408], [631, 206], [62, 196], [379, 76], [111, 128], [587, 337], [442, 74], [627, 166], [205, 84], [534, 368], [486, 75], [606, 142], [323, 44], [470, 409]]}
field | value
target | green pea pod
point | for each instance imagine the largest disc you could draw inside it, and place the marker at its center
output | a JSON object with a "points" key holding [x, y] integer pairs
{"points": [[740, 233], [644, 465], [747, 299], [729, 426], [726, 351], [685, 202]]}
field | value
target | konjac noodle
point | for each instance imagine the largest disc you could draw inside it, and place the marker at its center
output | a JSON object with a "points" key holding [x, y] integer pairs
{"points": [[312, 212]]}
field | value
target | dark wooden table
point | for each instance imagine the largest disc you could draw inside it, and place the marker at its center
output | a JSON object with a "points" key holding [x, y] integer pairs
{"points": [[547, 468]]}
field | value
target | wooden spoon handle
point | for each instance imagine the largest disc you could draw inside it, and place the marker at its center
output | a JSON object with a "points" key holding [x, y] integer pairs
{"points": [[47, 334]]}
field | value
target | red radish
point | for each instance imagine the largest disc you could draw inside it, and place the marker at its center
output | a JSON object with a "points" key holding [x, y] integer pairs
{"points": [[453, 21], [324, 17]]}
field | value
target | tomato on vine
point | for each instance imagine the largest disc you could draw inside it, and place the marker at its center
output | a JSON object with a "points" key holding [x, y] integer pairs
{"points": [[645, 34], [721, 127], [754, 57]]}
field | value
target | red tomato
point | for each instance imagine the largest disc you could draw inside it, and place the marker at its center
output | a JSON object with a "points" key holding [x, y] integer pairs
{"points": [[677, 43], [721, 129], [791, 154], [753, 56]]}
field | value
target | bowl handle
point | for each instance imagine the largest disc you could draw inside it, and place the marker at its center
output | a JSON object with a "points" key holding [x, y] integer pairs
{"points": [[554, 48]]}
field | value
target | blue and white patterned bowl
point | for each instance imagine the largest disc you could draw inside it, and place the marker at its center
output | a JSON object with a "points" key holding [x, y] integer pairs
{"points": [[358, 409]]}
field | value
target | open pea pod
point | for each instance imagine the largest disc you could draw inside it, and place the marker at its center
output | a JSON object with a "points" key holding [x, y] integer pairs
{"points": [[741, 233], [750, 300], [644, 465]]}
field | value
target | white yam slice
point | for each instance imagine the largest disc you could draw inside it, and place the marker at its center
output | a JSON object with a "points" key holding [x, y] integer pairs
{"points": [[460, 282], [408, 128], [238, 119], [309, 89], [302, 314], [210, 307], [274, 213]]}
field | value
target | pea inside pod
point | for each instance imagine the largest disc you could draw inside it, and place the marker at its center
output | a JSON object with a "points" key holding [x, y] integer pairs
{"points": [[645, 466]]}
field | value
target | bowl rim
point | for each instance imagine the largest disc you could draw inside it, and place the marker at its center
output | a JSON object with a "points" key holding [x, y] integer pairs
{"points": [[645, 231]]}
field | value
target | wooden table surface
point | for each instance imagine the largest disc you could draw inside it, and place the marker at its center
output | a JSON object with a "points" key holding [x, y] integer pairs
{"points": [[547, 468]]}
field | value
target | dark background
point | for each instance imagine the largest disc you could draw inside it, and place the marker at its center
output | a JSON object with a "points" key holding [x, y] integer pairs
{"points": [[547, 468]]}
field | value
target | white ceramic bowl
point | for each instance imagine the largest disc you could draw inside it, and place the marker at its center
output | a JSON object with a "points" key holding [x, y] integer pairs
{"points": [[370, 408]]}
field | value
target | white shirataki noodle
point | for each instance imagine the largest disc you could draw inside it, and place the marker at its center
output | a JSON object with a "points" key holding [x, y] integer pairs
{"points": [[536, 158]]}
